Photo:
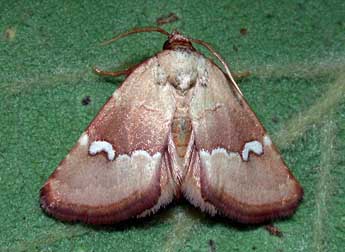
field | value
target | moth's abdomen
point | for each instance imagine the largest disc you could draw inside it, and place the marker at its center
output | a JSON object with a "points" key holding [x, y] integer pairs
{"points": [[181, 132]]}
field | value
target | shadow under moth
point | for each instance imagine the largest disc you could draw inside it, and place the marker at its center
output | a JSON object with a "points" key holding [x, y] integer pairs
{"points": [[177, 126]]}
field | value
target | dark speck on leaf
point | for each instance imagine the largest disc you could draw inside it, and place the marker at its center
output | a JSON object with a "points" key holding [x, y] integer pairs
{"points": [[269, 15], [275, 119], [243, 31], [86, 100], [235, 48]]}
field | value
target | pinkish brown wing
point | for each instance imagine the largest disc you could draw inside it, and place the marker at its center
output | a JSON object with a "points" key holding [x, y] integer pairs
{"points": [[118, 169], [235, 170]]}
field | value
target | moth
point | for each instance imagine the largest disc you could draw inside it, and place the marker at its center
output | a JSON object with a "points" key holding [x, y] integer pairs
{"points": [[177, 126]]}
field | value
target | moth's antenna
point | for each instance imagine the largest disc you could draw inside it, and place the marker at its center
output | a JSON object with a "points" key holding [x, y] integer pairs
{"points": [[210, 48], [136, 30]]}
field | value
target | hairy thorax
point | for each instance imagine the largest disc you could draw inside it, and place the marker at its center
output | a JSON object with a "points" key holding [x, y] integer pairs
{"points": [[183, 70]]}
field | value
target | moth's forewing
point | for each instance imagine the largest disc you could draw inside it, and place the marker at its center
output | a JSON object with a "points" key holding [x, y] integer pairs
{"points": [[97, 189], [236, 170]]}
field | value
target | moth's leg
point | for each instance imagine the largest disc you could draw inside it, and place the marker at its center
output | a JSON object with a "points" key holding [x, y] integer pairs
{"points": [[242, 75], [116, 73], [113, 74]]}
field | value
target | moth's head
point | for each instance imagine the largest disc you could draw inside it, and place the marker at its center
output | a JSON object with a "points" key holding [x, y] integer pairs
{"points": [[177, 41]]}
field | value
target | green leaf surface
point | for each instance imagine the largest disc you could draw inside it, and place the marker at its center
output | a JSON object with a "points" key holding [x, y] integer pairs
{"points": [[296, 56]]}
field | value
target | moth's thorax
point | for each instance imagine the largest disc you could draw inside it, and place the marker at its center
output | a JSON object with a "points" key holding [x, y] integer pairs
{"points": [[185, 69]]}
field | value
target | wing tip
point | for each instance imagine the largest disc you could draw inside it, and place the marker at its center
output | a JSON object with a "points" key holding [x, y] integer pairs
{"points": [[50, 205]]}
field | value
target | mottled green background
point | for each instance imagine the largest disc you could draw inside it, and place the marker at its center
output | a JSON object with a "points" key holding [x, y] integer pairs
{"points": [[296, 55]]}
